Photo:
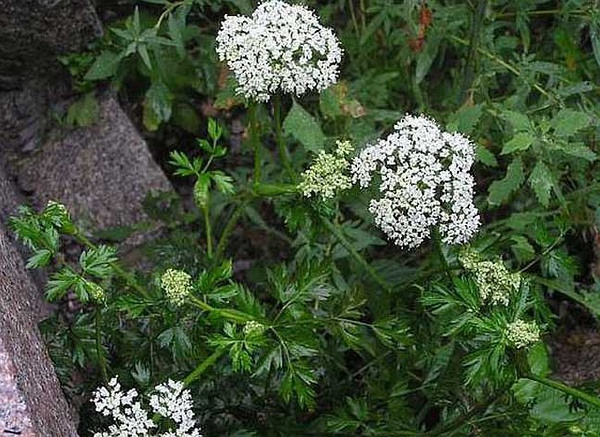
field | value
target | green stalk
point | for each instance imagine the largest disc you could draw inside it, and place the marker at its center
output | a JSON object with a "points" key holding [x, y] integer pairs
{"points": [[283, 151], [234, 316], [208, 229], [581, 395], [229, 227], [254, 139], [99, 351], [336, 231], [198, 371]]}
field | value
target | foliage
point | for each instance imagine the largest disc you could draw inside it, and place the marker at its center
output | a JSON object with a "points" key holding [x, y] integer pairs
{"points": [[328, 329]]}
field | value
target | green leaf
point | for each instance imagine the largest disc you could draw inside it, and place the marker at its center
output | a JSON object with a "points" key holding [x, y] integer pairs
{"points": [[579, 150], [84, 111], [465, 119], [501, 190], [159, 101], [568, 122], [104, 66], [302, 126], [485, 156], [519, 122], [330, 103], [542, 182], [223, 182], [521, 141], [96, 261], [522, 249]]}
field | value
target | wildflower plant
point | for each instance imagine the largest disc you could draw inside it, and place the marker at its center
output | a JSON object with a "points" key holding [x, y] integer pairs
{"points": [[289, 314]]}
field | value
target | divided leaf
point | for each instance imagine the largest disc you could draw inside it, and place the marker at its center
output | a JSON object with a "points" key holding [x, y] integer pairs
{"points": [[501, 190]]}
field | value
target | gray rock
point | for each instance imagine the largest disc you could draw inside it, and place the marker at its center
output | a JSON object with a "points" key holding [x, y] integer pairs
{"points": [[31, 401], [101, 173]]}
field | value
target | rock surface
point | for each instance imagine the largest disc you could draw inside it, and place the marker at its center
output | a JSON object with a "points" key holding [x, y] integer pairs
{"points": [[101, 173], [31, 401]]}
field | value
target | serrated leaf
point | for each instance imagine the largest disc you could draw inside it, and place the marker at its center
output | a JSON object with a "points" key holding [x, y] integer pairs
{"points": [[466, 118], [542, 182], [522, 249], [302, 126], [519, 122], [579, 150], [486, 157], [568, 122], [501, 190], [521, 141], [104, 66]]}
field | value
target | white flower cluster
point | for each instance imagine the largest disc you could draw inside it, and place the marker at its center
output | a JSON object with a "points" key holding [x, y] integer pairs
{"points": [[424, 182], [280, 48], [131, 420], [495, 283], [327, 175], [177, 285], [521, 334]]}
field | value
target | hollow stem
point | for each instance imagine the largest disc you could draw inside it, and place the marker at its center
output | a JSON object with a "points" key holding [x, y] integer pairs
{"points": [[203, 366], [99, 350], [283, 151], [208, 230], [254, 135]]}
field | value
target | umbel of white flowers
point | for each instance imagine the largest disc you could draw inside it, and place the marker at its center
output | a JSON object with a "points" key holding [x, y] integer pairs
{"points": [[279, 48], [424, 181], [131, 420]]}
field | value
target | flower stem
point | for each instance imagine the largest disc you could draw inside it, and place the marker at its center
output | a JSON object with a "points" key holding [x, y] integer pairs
{"points": [[208, 229], [198, 371], [283, 151], [254, 139], [229, 227], [581, 395], [99, 351], [354, 253]]}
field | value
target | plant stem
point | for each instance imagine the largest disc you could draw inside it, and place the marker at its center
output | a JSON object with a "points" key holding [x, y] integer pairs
{"points": [[198, 371], [229, 314], [208, 229], [99, 351], [229, 227], [581, 395], [336, 231], [283, 151], [254, 139]]}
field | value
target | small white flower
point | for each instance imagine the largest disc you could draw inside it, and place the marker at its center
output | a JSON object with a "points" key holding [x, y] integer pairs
{"points": [[170, 401], [424, 181], [280, 48]]}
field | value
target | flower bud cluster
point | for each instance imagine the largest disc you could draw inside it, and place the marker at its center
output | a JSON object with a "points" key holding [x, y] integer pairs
{"points": [[253, 328], [521, 334], [279, 48], [131, 420], [328, 173], [177, 285], [424, 182], [495, 283]]}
